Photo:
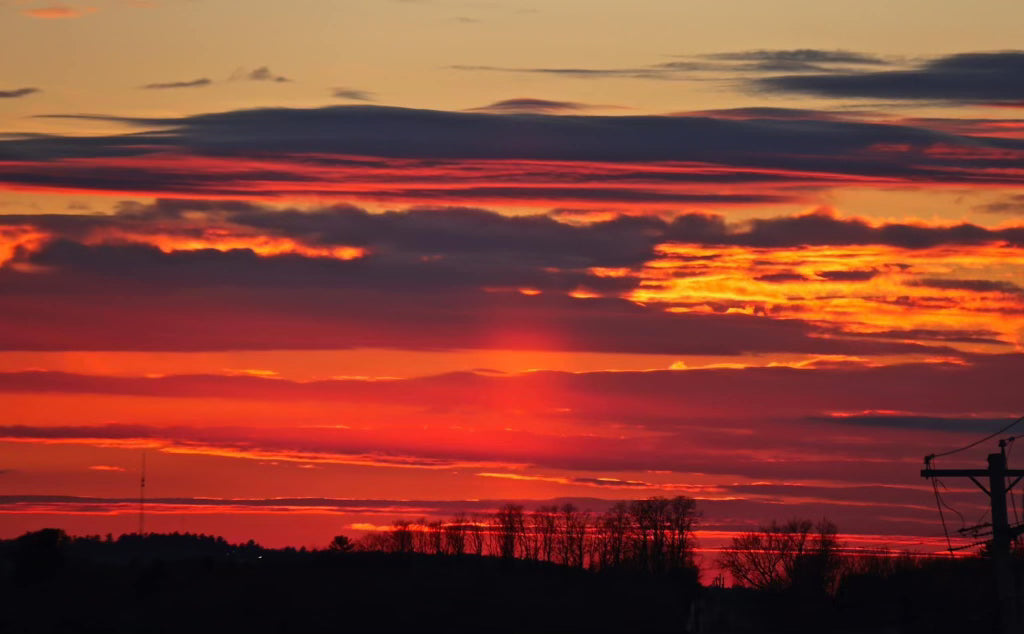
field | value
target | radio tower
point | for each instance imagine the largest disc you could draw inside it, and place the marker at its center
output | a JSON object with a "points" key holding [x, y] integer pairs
{"points": [[142, 497]]}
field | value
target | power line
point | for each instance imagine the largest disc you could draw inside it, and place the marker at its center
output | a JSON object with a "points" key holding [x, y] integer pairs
{"points": [[974, 545], [963, 521], [942, 516], [1002, 533], [976, 527], [940, 503], [975, 443]]}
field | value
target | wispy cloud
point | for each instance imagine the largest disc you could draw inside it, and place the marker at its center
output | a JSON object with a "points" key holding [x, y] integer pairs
{"points": [[18, 92], [530, 105], [353, 94], [794, 60], [727, 65], [1013, 204], [659, 71], [194, 83], [263, 73]]}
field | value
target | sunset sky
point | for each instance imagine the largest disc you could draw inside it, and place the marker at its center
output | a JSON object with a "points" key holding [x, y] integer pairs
{"points": [[331, 262]]}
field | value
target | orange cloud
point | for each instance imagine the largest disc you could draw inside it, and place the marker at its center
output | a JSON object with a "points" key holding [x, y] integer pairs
{"points": [[58, 12], [222, 239], [870, 290], [16, 238]]}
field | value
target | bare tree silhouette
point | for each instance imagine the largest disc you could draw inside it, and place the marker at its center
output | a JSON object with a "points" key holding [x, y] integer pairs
{"points": [[402, 538], [509, 530], [573, 525], [544, 524], [612, 530], [798, 553], [455, 535], [476, 532]]}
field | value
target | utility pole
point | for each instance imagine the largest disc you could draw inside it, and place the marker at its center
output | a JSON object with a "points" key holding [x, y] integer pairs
{"points": [[1002, 534], [142, 497]]}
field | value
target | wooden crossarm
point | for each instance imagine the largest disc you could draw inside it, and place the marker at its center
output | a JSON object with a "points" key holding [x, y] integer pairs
{"points": [[966, 473]]}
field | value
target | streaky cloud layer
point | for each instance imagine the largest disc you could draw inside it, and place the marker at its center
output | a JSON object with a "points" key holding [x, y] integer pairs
{"points": [[386, 153], [964, 77]]}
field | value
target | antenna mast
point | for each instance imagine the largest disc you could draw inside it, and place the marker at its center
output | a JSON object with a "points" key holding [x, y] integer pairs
{"points": [[142, 497]]}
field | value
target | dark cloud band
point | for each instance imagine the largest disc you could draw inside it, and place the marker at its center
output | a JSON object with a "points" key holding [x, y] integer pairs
{"points": [[403, 155], [966, 77]]}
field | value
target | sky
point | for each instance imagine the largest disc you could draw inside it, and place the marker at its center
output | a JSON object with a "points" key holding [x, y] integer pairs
{"points": [[329, 263]]}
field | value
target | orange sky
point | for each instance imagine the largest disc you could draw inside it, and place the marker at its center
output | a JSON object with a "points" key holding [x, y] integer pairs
{"points": [[331, 266]]}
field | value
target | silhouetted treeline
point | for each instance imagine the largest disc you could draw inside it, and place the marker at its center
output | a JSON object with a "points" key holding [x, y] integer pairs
{"points": [[34, 552], [50, 582], [892, 593], [655, 535], [630, 569], [798, 577]]}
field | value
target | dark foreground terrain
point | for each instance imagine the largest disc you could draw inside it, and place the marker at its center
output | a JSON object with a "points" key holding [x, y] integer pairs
{"points": [[189, 583], [211, 586]]}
